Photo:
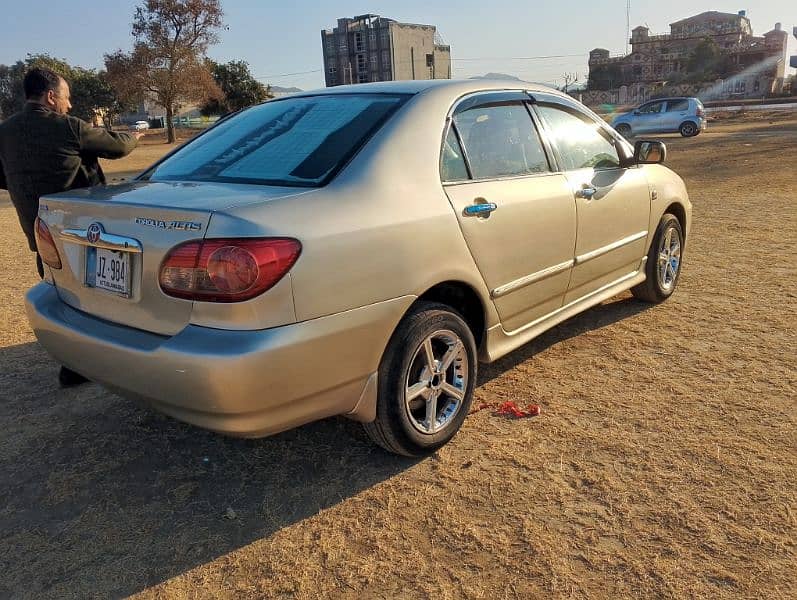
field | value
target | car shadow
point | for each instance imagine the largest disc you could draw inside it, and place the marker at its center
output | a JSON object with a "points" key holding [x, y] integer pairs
{"points": [[104, 498], [597, 317]]}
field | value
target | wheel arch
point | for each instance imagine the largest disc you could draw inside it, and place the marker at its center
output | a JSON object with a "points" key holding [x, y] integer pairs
{"points": [[464, 299], [677, 209]]}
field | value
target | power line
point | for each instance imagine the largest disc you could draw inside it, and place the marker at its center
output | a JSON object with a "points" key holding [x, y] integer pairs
{"points": [[289, 74]]}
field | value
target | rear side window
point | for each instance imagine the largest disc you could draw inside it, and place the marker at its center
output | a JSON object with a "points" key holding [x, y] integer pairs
{"points": [[452, 161], [677, 105], [500, 141], [582, 143], [294, 142]]}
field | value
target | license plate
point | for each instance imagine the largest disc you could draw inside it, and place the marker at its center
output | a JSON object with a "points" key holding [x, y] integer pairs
{"points": [[108, 270]]}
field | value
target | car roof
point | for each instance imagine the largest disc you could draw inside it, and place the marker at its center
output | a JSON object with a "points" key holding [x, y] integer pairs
{"points": [[453, 86]]}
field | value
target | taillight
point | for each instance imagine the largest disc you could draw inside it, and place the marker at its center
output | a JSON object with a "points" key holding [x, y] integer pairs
{"points": [[45, 245], [227, 270], [699, 111]]}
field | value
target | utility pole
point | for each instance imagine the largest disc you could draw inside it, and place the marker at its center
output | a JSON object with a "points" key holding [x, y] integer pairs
{"points": [[627, 24]]}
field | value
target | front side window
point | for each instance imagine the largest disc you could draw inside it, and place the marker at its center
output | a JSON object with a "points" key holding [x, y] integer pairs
{"points": [[501, 140], [582, 143], [293, 142], [652, 108]]}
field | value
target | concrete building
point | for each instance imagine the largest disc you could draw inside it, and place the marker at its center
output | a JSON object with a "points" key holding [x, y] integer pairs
{"points": [[756, 66], [373, 48]]}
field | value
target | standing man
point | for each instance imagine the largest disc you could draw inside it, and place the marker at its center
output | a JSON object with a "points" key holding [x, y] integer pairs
{"points": [[43, 150]]}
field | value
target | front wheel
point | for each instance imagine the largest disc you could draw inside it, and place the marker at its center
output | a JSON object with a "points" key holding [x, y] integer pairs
{"points": [[624, 130], [426, 381], [663, 266]]}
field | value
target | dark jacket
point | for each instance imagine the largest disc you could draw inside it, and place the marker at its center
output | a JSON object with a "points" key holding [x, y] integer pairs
{"points": [[42, 152]]}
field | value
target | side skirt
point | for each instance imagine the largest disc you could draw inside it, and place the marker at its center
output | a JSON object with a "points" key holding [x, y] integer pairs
{"points": [[500, 342]]}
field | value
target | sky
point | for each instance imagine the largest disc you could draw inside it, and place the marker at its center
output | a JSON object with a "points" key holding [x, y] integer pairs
{"points": [[281, 41]]}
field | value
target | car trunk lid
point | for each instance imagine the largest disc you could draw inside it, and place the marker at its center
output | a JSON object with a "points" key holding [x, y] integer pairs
{"points": [[134, 226]]}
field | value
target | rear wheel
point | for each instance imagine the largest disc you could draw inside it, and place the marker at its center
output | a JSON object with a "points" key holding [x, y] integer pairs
{"points": [[624, 130], [426, 381], [663, 266], [689, 129]]}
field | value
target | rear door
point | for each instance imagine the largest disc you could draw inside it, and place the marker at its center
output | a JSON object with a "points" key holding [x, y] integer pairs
{"points": [[677, 112], [517, 215], [612, 202]]}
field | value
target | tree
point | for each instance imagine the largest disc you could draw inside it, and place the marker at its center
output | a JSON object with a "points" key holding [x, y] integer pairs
{"points": [[91, 93], [168, 58], [569, 78], [707, 62], [239, 89]]}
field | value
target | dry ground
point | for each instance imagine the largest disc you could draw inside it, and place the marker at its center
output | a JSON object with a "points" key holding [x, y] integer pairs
{"points": [[663, 464]]}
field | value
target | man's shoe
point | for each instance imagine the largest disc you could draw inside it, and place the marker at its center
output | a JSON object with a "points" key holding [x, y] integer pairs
{"points": [[68, 378]]}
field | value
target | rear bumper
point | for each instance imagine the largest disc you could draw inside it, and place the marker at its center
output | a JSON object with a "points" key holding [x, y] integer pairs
{"points": [[245, 383]]}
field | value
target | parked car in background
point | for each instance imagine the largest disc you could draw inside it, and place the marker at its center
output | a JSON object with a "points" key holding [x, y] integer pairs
{"points": [[140, 126], [667, 115], [354, 251]]}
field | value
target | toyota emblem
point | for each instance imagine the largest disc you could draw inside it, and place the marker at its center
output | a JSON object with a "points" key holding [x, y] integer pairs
{"points": [[93, 233]]}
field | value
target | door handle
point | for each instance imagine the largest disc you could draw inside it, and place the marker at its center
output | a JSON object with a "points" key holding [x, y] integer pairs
{"points": [[587, 192], [481, 209]]}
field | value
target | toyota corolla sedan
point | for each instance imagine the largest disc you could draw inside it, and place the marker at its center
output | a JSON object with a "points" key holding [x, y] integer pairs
{"points": [[354, 251]]}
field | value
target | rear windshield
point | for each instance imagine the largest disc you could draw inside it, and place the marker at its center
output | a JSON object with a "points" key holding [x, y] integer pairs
{"points": [[292, 142]]}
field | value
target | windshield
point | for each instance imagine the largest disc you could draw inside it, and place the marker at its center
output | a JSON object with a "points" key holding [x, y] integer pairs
{"points": [[293, 142]]}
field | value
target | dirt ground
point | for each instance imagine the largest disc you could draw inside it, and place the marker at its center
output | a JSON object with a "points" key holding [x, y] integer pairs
{"points": [[663, 464]]}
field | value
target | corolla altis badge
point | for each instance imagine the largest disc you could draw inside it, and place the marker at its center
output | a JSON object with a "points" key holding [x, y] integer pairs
{"points": [[173, 225], [94, 232]]}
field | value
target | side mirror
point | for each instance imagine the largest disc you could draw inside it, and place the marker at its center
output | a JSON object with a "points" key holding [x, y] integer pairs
{"points": [[649, 152]]}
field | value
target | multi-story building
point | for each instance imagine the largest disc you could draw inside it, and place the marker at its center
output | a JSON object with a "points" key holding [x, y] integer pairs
{"points": [[755, 66], [373, 48]]}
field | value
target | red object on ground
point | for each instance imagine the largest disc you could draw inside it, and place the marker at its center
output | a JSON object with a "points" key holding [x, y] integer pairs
{"points": [[511, 409]]}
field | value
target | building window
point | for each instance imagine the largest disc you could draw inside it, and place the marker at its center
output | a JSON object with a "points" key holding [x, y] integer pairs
{"points": [[362, 65], [372, 39], [362, 77], [386, 37], [330, 43], [359, 42], [637, 71], [386, 59], [374, 61], [343, 46], [333, 70], [665, 50], [756, 85]]}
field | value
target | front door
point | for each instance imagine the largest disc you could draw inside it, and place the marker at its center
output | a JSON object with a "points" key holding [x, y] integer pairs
{"points": [[650, 118], [612, 203], [517, 216]]}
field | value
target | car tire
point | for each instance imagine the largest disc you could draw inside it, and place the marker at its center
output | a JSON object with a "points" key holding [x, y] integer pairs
{"points": [[624, 130], [689, 129], [442, 393], [663, 266]]}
